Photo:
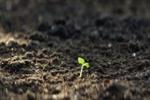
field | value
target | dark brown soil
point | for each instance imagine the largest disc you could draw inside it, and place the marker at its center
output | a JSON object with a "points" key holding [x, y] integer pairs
{"points": [[40, 42]]}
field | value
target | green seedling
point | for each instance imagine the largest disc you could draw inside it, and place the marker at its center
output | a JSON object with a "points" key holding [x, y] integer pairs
{"points": [[84, 65]]}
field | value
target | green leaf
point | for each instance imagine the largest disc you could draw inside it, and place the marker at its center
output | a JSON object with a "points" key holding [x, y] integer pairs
{"points": [[86, 65], [81, 60]]}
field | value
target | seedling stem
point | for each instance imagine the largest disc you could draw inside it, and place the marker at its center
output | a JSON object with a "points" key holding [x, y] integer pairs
{"points": [[83, 64]]}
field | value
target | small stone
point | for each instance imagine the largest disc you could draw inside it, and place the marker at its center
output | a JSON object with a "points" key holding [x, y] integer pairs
{"points": [[109, 45], [133, 54], [12, 44], [38, 36], [45, 51], [29, 54]]}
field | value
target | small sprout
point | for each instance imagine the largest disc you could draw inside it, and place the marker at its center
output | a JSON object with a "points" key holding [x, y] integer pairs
{"points": [[84, 65]]}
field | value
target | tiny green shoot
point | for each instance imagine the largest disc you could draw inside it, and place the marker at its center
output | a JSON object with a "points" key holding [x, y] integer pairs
{"points": [[84, 65]]}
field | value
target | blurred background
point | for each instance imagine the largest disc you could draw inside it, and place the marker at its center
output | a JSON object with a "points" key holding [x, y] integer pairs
{"points": [[20, 15]]}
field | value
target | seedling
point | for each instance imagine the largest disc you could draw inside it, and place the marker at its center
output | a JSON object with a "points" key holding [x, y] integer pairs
{"points": [[84, 65]]}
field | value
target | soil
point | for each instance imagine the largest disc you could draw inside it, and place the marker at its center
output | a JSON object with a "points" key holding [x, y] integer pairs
{"points": [[40, 42]]}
